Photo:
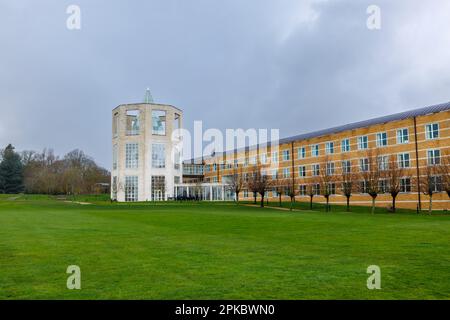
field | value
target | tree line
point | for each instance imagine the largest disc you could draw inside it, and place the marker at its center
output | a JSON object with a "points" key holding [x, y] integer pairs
{"points": [[376, 175], [46, 173]]}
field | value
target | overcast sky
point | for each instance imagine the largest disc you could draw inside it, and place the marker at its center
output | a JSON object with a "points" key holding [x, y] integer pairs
{"points": [[294, 65]]}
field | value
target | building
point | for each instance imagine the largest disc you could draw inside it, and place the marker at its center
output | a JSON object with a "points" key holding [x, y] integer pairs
{"points": [[146, 161], [414, 140]]}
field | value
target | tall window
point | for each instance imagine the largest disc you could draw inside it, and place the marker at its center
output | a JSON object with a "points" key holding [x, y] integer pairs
{"points": [[402, 136], [381, 139], [383, 186], [301, 153], [315, 150], [346, 166], [329, 148], [286, 155], [158, 188], [432, 131], [115, 125], [286, 172], [302, 171], [315, 170], [115, 157], [330, 168], [159, 122], [363, 142], [383, 162], [316, 189], [263, 158], [302, 190], [345, 145], [434, 157], [131, 155], [403, 160], [436, 183], [158, 155], [364, 165], [133, 122], [131, 188], [405, 185], [114, 188]]}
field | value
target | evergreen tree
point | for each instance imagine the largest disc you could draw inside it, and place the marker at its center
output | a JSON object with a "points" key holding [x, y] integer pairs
{"points": [[11, 172]]}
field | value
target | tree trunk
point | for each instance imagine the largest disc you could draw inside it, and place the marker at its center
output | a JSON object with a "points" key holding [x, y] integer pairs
{"points": [[279, 197], [393, 203], [430, 206], [348, 203], [254, 198], [310, 202], [237, 197], [292, 203], [373, 205], [328, 203], [262, 201]]}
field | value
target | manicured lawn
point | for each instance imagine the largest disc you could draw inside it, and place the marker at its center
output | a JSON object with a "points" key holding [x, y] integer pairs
{"points": [[216, 251]]}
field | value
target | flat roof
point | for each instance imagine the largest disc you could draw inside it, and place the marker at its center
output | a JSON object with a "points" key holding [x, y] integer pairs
{"points": [[355, 125]]}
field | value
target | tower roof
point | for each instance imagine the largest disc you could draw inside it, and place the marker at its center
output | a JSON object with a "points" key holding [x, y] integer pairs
{"points": [[148, 96]]}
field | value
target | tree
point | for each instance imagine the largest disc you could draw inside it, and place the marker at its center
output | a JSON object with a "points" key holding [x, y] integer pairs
{"points": [[430, 183], [259, 182], [11, 172], [237, 181], [444, 171], [370, 173], [348, 179], [312, 189], [326, 179], [290, 190], [394, 173]]}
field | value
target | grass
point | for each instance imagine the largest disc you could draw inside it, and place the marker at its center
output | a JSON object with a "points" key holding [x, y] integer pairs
{"points": [[216, 251]]}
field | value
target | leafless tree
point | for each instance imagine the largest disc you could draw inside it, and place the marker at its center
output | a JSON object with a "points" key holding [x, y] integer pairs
{"points": [[430, 183], [444, 171], [326, 178], [370, 173], [348, 180], [259, 182], [394, 173], [237, 181]]}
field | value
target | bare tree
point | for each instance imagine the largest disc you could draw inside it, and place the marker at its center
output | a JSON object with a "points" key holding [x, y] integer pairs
{"points": [[370, 173], [394, 173], [430, 183], [326, 179], [348, 180], [259, 182], [444, 171], [237, 181]]}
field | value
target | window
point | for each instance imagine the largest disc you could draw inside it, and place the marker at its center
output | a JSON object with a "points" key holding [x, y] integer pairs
{"points": [[436, 183], [159, 122], [364, 165], [131, 156], [131, 188], [263, 158], [402, 136], [158, 188], [286, 155], [363, 186], [176, 180], [329, 147], [215, 179], [383, 162], [315, 150], [330, 168], [383, 186], [274, 192], [115, 125], [245, 193], [302, 190], [274, 173], [302, 171], [115, 157], [316, 189], [133, 122], [405, 185], [381, 139], [176, 159], [434, 157], [331, 188], [286, 172], [114, 188], [275, 157], [158, 155], [315, 170], [214, 167], [363, 142], [432, 131], [403, 160], [345, 145], [301, 153], [346, 166]]}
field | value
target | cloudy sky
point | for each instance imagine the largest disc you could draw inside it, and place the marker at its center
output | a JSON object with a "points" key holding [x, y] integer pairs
{"points": [[295, 65]]}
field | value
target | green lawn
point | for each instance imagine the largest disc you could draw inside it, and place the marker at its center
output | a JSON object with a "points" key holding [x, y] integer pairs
{"points": [[216, 251]]}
